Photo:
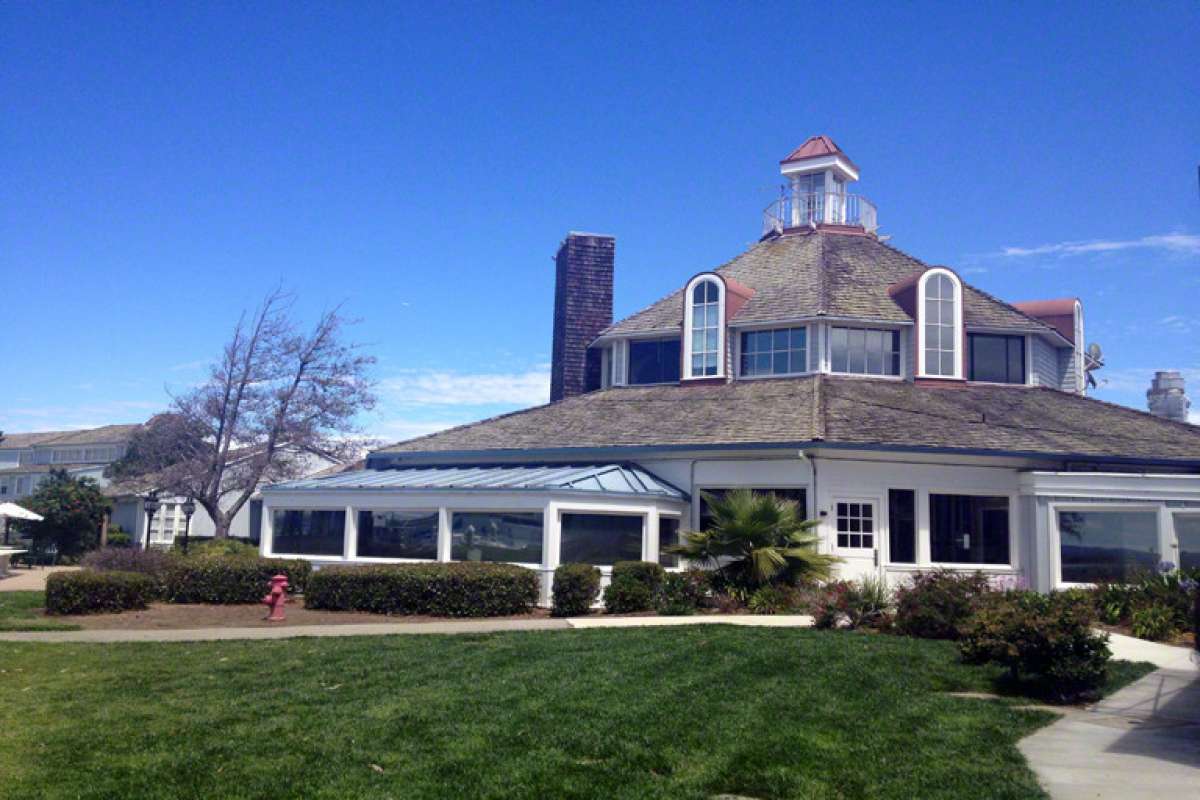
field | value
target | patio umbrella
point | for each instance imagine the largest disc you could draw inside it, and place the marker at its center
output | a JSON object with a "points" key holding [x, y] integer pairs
{"points": [[13, 511]]}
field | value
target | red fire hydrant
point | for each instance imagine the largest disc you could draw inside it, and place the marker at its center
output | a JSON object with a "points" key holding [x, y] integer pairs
{"points": [[276, 598]]}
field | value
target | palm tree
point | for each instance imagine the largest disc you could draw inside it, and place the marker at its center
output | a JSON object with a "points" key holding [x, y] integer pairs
{"points": [[756, 539]]}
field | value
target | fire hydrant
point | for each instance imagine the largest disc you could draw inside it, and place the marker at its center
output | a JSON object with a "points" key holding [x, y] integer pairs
{"points": [[276, 598]]}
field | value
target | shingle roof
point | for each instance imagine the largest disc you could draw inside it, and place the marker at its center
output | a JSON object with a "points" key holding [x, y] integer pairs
{"points": [[855, 411], [107, 434], [622, 479], [825, 274]]}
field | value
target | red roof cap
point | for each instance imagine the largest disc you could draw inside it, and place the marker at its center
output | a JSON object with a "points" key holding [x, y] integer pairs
{"points": [[815, 147]]}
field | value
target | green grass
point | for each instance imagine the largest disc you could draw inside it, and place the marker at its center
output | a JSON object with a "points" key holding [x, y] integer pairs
{"points": [[22, 611], [642, 713]]}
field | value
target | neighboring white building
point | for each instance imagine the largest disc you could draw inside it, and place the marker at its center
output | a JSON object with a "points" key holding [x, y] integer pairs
{"points": [[27, 458], [924, 422]]}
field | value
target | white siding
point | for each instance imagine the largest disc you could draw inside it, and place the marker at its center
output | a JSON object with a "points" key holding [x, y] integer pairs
{"points": [[1044, 369]]}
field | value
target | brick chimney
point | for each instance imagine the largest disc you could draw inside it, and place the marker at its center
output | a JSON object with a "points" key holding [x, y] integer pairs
{"points": [[583, 306], [1166, 397]]}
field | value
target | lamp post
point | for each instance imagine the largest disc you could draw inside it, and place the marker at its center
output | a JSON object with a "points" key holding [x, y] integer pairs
{"points": [[151, 505], [189, 508]]}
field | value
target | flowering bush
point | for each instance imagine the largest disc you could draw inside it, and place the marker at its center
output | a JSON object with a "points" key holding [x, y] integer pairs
{"points": [[1159, 602], [681, 593], [126, 559], [1046, 638], [938, 602]]}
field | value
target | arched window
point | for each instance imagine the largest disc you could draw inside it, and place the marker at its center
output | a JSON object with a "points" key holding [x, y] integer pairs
{"points": [[704, 328], [941, 343]]}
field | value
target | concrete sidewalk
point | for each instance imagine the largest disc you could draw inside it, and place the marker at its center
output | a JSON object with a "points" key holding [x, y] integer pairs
{"points": [[20, 579], [1142, 742], [397, 628]]}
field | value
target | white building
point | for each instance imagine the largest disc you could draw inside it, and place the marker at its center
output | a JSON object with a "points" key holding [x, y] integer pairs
{"points": [[923, 421]]}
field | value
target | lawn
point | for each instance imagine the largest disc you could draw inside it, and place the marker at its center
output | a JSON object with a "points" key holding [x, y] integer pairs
{"points": [[22, 611], [638, 713]]}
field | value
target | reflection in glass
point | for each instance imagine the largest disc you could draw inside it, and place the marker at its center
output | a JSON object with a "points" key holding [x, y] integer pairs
{"points": [[1107, 545], [308, 532], [496, 536], [601, 539], [398, 534]]}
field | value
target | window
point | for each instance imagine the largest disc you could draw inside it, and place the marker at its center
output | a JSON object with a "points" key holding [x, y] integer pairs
{"points": [[602, 539], [799, 496], [308, 532], [1187, 533], [783, 351], [810, 198], [654, 361], [497, 536], [668, 536], [967, 529], [997, 359], [398, 534], [863, 351], [1106, 545], [940, 298], [902, 526], [855, 525], [705, 324]]}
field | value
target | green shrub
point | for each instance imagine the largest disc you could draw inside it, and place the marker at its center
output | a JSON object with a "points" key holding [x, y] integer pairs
{"points": [[1154, 622], [127, 559], [90, 592], [1046, 638], [938, 602], [772, 599], [647, 573], [681, 593], [461, 589], [627, 594], [225, 580], [208, 548], [1114, 602], [576, 587], [117, 537]]}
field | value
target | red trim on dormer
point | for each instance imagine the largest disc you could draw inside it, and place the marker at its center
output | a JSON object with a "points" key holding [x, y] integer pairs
{"points": [[1058, 314], [736, 297]]}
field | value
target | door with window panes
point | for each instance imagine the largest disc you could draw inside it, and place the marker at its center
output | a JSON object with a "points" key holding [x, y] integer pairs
{"points": [[856, 531]]}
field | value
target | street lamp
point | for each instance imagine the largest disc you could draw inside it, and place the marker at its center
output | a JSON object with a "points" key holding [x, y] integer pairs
{"points": [[151, 505], [189, 508]]}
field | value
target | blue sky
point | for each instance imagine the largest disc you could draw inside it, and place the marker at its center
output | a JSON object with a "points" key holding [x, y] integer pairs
{"points": [[166, 164]]}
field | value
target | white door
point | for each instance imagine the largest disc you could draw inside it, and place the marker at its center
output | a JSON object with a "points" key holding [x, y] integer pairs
{"points": [[856, 536]]}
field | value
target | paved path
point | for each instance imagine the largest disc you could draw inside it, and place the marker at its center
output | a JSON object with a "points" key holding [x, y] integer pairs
{"points": [[20, 579], [393, 628], [1142, 742]]}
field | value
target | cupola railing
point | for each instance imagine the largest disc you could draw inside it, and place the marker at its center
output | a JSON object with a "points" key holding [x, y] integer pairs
{"points": [[794, 210]]}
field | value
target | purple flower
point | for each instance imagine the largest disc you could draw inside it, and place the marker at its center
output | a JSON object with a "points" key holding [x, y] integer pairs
{"points": [[1165, 567], [1189, 585]]}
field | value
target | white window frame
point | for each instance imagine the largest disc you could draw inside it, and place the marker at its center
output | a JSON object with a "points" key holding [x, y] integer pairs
{"points": [[827, 350], [809, 340], [654, 556], [687, 326], [655, 337], [353, 555], [348, 528], [859, 552], [922, 368], [1080, 372], [1172, 513], [925, 497], [451, 510], [1165, 531]]}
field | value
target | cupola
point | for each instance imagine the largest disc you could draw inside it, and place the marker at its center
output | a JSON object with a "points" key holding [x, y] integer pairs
{"points": [[815, 195]]}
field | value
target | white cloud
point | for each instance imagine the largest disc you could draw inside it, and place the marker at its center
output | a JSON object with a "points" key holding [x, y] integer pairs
{"points": [[401, 430], [188, 366], [1185, 244], [445, 388], [1194, 417]]}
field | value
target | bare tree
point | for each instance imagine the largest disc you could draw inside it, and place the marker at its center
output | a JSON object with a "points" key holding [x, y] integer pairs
{"points": [[276, 398]]}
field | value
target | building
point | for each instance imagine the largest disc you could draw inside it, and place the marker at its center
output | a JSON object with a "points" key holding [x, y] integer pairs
{"points": [[924, 422], [27, 458]]}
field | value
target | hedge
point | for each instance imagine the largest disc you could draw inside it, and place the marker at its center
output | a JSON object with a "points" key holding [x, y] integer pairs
{"points": [[442, 590], [575, 589], [88, 592], [1048, 639], [225, 580]]}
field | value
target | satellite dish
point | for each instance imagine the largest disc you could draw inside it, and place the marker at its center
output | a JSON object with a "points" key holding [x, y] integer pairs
{"points": [[1092, 361]]}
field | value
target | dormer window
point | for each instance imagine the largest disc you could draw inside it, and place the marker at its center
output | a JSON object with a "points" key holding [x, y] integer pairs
{"points": [[704, 327], [940, 301]]}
